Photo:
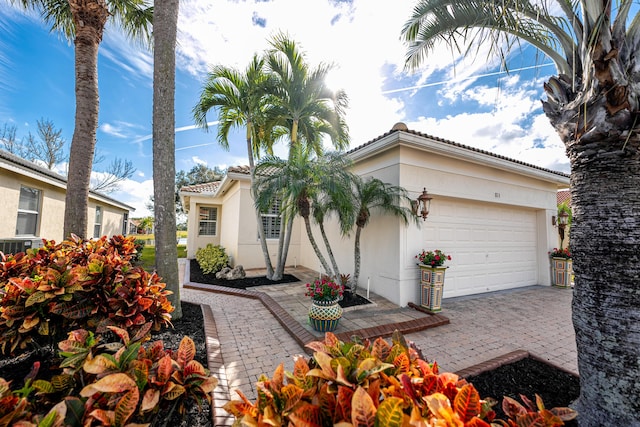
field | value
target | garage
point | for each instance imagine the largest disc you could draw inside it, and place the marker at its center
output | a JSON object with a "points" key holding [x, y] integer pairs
{"points": [[494, 247]]}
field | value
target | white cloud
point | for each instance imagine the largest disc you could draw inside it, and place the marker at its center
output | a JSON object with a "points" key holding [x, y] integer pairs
{"points": [[135, 194], [198, 161]]}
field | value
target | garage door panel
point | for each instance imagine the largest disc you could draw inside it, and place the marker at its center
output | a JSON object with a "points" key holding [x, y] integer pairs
{"points": [[494, 247]]}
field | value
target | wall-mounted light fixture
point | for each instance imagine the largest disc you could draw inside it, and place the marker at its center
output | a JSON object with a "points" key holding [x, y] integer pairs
{"points": [[561, 220], [421, 205]]}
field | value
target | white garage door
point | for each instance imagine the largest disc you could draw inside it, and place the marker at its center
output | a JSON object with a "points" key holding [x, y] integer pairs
{"points": [[493, 247]]}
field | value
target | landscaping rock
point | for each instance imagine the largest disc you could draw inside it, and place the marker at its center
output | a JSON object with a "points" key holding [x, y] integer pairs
{"points": [[231, 273]]}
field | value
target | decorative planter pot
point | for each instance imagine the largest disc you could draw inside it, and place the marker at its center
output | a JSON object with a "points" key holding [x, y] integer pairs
{"points": [[325, 315], [561, 272], [431, 284]]}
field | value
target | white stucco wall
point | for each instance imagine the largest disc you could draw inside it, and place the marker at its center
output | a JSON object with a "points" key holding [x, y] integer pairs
{"points": [[237, 228]]}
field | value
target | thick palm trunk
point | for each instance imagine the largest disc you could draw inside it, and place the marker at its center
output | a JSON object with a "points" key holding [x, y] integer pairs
{"points": [[89, 18], [605, 241], [165, 17]]}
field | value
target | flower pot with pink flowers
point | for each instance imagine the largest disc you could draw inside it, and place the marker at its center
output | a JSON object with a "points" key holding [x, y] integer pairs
{"points": [[325, 312]]}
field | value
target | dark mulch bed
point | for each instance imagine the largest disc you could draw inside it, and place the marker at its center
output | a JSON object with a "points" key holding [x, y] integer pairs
{"points": [[349, 299], [528, 377], [197, 276]]}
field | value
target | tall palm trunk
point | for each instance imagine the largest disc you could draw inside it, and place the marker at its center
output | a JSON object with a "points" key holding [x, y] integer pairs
{"points": [[165, 18], [263, 241], [283, 249], [606, 303], [356, 259], [314, 245], [327, 245], [89, 18]]}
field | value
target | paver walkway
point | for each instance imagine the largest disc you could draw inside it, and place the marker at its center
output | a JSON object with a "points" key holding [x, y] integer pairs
{"points": [[246, 339]]}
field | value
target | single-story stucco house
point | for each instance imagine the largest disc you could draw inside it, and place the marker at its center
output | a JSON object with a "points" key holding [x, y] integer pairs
{"points": [[492, 214], [33, 198]]}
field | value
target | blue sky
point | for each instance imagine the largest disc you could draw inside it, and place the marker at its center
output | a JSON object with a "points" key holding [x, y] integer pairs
{"points": [[467, 101]]}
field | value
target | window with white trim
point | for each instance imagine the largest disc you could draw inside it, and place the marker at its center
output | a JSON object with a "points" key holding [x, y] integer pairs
{"points": [[272, 221], [207, 221], [97, 225], [28, 212], [125, 223]]}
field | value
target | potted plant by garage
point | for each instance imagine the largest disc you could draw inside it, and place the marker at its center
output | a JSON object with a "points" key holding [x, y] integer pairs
{"points": [[432, 271], [324, 312], [561, 267]]}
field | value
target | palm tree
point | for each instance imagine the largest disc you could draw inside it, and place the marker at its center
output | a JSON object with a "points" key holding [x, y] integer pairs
{"points": [[83, 22], [593, 104], [297, 182], [371, 194], [304, 109], [165, 17], [241, 102]]}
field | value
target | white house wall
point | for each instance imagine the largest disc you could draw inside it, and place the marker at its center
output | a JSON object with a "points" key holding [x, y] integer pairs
{"points": [[237, 229]]}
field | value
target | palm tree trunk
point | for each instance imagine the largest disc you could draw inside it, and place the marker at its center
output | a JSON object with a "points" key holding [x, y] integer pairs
{"points": [[165, 18], [314, 245], [263, 241], [89, 20], [332, 258], [606, 302], [283, 249], [356, 260]]}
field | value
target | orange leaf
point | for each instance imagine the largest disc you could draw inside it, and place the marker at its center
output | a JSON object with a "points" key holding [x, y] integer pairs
{"points": [[114, 383], [363, 411], [186, 351], [126, 406], [306, 415], [512, 408], [402, 363], [467, 403], [165, 368], [150, 400], [531, 419]]}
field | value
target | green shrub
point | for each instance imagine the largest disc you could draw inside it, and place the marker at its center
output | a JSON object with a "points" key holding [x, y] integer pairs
{"points": [[212, 259], [139, 246]]}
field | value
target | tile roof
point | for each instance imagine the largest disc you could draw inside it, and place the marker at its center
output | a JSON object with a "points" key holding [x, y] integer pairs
{"points": [[207, 187], [240, 169], [564, 196], [26, 164], [402, 127]]}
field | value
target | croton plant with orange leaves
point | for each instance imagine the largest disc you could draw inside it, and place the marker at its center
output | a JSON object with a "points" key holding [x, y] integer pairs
{"points": [[364, 383]]}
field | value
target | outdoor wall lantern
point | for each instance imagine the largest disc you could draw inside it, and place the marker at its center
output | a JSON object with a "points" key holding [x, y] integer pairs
{"points": [[561, 221], [420, 206]]}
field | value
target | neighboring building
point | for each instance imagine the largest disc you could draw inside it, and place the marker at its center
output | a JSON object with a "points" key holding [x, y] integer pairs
{"points": [[492, 214], [33, 200]]}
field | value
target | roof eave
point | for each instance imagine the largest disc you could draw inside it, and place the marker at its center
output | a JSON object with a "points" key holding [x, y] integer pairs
{"points": [[426, 143]]}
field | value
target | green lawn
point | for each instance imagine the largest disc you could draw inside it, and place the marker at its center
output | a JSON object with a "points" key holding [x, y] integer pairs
{"points": [[148, 257]]}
